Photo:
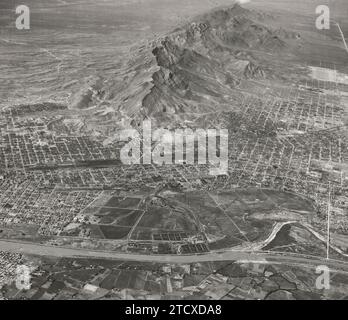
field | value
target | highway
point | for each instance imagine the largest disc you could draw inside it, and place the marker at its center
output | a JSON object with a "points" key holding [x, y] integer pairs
{"points": [[222, 255]]}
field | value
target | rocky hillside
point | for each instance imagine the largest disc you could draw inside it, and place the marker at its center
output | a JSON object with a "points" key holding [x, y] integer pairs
{"points": [[192, 71]]}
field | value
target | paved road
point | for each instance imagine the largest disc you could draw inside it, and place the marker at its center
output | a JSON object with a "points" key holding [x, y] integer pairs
{"points": [[342, 35], [226, 255]]}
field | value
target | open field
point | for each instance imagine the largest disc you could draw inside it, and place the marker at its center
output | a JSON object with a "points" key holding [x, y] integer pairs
{"points": [[224, 219], [72, 42]]}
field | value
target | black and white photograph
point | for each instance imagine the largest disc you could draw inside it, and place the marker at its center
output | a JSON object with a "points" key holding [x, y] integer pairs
{"points": [[187, 151]]}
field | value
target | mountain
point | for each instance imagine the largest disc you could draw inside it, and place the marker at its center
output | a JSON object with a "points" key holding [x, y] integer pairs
{"points": [[192, 71]]}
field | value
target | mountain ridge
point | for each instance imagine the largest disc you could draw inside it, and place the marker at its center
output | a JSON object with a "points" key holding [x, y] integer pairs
{"points": [[191, 71]]}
